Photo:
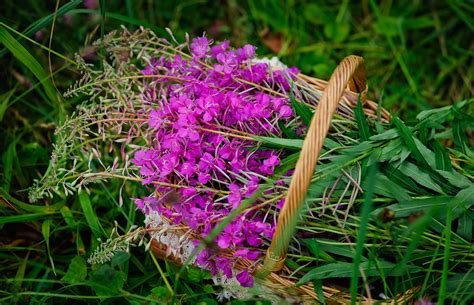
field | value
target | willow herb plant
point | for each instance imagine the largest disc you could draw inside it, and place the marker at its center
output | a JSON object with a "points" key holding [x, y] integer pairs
{"points": [[205, 127]]}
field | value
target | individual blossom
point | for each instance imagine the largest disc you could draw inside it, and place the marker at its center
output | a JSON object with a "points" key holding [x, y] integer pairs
{"points": [[235, 196], [246, 52], [220, 48], [269, 164], [245, 279], [199, 47]]}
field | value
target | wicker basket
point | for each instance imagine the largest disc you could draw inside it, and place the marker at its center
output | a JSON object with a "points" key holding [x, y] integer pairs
{"points": [[346, 84]]}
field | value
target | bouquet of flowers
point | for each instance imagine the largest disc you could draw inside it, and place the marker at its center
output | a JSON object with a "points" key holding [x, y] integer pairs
{"points": [[225, 146]]}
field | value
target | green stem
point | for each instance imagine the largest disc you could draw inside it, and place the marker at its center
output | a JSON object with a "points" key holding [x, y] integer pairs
{"points": [[444, 275]]}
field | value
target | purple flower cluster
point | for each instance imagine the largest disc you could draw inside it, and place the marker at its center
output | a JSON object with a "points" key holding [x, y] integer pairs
{"points": [[205, 108]]}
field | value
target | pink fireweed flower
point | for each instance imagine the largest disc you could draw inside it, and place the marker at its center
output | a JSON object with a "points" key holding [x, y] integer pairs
{"points": [[199, 47], [167, 164], [235, 197], [220, 48], [245, 279], [228, 62], [247, 52], [194, 137], [269, 165], [285, 111]]}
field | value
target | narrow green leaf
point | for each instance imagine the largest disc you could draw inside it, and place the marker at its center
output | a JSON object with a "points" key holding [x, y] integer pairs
{"points": [[81, 249], [420, 177], [333, 247], [288, 132], [390, 188], [362, 124], [89, 214], [399, 159], [331, 144], [362, 232], [463, 200], [130, 10], [455, 178], [361, 148], [345, 270], [408, 139], [398, 177], [46, 230], [45, 21], [437, 115], [4, 102], [390, 150], [315, 249], [30, 62], [443, 162], [427, 154], [407, 208], [465, 225], [102, 18], [68, 217], [77, 271], [279, 142], [23, 218], [446, 258], [8, 157], [460, 139], [422, 133], [20, 273], [302, 110], [318, 288], [291, 264], [386, 135]]}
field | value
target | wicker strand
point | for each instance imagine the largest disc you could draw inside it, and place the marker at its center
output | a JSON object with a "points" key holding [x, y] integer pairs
{"points": [[350, 72]]}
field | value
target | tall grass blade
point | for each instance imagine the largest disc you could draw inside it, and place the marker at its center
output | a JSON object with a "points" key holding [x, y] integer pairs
{"points": [[45, 21], [46, 230], [362, 124], [20, 273], [302, 110], [362, 234], [30, 62], [89, 214], [5, 102], [447, 246]]}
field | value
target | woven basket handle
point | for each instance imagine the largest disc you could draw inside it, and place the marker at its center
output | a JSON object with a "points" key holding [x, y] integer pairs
{"points": [[349, 73]]}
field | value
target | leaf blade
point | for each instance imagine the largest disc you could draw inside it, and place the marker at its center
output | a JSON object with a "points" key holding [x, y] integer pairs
{"points": [[30, 62], [361, 120]]}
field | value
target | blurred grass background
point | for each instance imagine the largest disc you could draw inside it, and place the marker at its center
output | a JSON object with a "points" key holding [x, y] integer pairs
{"points": [[419, 55]]}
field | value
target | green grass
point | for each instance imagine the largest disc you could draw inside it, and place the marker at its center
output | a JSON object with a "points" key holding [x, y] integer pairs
{"points": [[419, 55]]}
